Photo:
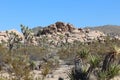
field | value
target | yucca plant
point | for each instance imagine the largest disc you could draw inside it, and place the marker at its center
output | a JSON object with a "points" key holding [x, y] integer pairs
{"points": [[80, 71], [117, 51], [27, 33], [83, 53], [102, 75], [94, 61], [114, 70]]}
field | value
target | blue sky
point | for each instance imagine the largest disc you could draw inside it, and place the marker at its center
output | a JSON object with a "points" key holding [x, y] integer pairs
{"points": [[80, 13]]}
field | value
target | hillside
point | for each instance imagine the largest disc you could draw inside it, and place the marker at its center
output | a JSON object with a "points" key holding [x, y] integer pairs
{"points": [[59, 51], [111, 30]]}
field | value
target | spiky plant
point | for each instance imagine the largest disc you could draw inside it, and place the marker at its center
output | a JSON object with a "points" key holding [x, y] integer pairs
{"points": [[28, 36], [114, 70], [102, 75], [94, 61], [13, 39], [80, 71], [83, 53], [117, 51]]}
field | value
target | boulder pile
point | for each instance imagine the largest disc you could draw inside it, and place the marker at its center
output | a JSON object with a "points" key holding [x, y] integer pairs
{"points": [[60, 32], [4, 35]]}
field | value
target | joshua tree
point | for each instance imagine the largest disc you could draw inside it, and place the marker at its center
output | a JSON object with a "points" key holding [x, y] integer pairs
{"points": [[28, 36], [13, 38], [110, 57]]}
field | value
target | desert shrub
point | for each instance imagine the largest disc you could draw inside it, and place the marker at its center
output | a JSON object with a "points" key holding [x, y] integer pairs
{"points": [[46, 69], [15, 63], [20, 67], [35, 52], [2, 79], [66, 53]]}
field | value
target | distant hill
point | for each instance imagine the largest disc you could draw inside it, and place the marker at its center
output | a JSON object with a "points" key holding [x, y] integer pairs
{"points": [[37, 29], [111, 30]]}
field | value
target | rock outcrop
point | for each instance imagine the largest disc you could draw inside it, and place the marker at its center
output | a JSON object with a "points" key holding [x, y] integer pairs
{"points": [[58, 27], [62, 32], [4, 35], [59, 33]]}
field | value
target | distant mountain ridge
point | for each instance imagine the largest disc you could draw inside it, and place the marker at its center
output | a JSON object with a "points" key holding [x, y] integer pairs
{"points": [[37, 29], [111, 30]]}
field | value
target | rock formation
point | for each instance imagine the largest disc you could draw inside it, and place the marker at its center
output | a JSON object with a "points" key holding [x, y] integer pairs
{"points": [[4, 35], [60, 32], [58, 27]]}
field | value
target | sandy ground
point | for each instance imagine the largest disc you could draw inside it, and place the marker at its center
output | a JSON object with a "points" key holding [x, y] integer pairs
{"points": [[60, 72]]}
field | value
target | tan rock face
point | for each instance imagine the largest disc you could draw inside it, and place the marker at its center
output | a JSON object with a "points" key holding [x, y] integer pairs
{"points": [[62, 32], [58, 27], [4, 35], [15, 31]]}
